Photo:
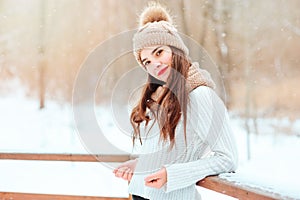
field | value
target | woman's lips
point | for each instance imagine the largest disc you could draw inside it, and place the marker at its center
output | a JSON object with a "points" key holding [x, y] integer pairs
{"points": [[162, 71]]}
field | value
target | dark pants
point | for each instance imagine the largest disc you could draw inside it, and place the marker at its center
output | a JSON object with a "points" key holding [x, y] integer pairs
{"points": [[134, 197]]}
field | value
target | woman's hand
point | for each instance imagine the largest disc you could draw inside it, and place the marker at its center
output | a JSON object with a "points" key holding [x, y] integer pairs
{"points": [[125, 170], [157, 180]]}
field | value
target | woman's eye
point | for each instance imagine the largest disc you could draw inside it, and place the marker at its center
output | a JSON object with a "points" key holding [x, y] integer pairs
{"points": [[159, 52], [146, 63]]}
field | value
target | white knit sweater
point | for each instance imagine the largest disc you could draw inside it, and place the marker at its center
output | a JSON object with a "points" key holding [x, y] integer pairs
{"points": [[209, 149]]}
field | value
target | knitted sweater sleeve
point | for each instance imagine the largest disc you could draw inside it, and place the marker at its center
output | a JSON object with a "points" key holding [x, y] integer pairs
{"points": [[210, 120]]}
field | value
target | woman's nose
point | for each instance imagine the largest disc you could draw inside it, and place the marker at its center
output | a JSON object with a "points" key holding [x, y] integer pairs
{"points": [[154, 60], [156, 64]]}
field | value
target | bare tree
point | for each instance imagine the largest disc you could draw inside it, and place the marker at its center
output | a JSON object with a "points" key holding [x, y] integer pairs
{"points": [[207, 15], [41, 54], [247, 75], [220, 14]]}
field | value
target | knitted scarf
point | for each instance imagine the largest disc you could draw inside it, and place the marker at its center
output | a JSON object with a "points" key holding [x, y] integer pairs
{"points": [[196, 77], [199, 77]]}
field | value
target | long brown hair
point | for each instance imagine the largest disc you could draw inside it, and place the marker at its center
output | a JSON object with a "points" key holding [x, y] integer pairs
{"points": [[171, 104]]}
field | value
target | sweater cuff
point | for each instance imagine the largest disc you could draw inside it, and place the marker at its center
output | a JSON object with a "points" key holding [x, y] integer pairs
{"points": [[176, 175]]}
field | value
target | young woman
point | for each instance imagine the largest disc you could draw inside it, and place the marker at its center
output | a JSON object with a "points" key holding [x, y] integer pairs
{"points": [[181, 123]]}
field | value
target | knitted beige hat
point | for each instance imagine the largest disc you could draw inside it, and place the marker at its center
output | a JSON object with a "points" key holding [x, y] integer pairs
{"points": [[156, 28]]}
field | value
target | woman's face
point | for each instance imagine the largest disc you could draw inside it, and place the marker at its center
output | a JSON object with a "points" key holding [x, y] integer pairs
{"points": [[157, 61]]}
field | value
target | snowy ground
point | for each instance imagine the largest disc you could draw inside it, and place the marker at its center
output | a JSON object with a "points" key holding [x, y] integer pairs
{"points": [[275, 158]]}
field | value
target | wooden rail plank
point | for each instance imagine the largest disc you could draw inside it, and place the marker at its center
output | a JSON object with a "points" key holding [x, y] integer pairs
{"points": [[65, 157], [215, 183], [242, 192], [31, 196]]}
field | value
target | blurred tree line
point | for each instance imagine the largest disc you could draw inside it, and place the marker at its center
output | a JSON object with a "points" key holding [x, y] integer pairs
{"points": [[255, 45]]}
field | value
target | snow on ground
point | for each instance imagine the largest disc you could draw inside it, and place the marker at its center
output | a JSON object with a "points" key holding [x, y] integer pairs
{"points": [[66, 178], [275, 159], [25, 128]]}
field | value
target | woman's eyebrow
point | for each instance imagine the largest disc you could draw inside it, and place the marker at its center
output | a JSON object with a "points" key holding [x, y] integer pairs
{"points": [[154, 50]]}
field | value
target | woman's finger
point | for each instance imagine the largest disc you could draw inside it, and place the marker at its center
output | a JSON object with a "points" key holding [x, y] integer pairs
{"points": [[130, 175], [120, 172], [117, 168], [151, 177], [126, 173]]}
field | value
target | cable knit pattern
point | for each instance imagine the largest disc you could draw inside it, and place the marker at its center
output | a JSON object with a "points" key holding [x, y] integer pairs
{"points": [[209, 149], [157, 33], [156, 28], [199, 77]]}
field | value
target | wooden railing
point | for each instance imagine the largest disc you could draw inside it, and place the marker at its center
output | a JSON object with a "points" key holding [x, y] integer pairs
{"points": [[65, 157], [214, 183], [236, 190], [27, 196]]}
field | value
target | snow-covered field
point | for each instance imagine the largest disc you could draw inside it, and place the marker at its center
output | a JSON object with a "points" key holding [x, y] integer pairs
{"points": [[274, 164]]}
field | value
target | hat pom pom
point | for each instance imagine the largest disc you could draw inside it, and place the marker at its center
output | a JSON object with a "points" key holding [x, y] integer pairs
{"points": [[154, 12]]}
